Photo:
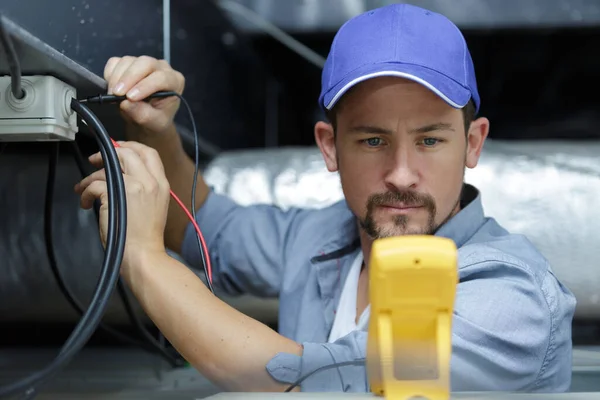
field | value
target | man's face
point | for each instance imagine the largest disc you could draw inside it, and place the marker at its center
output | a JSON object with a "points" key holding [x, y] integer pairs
{"points": [[401, 153]]}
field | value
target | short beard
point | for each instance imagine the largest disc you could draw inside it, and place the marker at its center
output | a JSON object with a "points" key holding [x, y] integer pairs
{"points": [[407, 198]]}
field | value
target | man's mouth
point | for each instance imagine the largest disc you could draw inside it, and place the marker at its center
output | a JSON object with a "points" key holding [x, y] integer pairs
{"points": [[400, 208]]}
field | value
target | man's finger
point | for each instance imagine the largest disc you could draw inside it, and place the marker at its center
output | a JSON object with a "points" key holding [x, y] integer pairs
{"points": [[135, 167], [96, 160], [119, 70], [150, 158], [88, 180], [110, 67], [96, 190], [163, 79], [138, 71], [139, 161]]}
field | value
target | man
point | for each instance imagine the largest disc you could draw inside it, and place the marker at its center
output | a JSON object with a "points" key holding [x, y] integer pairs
{"points": [[400, 90]]}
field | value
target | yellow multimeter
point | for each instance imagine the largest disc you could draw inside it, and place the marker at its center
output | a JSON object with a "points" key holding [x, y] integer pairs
{"points": [[412, 286]]}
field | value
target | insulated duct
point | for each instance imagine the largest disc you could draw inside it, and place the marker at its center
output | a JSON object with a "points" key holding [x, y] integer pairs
{"points": [[545, 190]]}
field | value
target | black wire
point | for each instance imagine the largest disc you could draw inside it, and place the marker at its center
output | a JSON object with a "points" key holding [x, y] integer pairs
{"points": [[48, 235], [323, 368], [12, 60], [110, 98], [152, 344], [110, 243], [111, 238], [203, 256], [117, 210], [207, 149]]}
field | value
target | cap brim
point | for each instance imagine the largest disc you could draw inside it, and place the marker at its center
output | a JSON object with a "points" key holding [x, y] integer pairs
{"points": [[448, 89]]}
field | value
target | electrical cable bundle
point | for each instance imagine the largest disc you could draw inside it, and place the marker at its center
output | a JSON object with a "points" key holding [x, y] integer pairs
{"points": [[151, 343], [102, 136], [48, 232], [115, 246], [117, 227], [110, 273]]}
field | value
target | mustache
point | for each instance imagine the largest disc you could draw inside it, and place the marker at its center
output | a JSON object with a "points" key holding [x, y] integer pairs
{"points": [[408, 198]]}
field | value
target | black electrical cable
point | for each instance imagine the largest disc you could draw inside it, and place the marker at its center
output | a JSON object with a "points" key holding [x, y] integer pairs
{"points": [[115, 237], [111, 238], [115, 243], [48, 236], [152, 344], [117, 211], [111, 99], [323, 368], [12, 60]]}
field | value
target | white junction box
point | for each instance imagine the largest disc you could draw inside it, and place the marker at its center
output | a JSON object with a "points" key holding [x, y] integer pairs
{"points": [[43, 114]]}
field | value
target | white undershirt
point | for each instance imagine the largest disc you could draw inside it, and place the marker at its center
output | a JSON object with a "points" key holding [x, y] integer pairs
{"points": [[345, 317]]}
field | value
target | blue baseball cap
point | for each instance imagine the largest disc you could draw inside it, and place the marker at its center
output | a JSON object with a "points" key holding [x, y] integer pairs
{"points": [[405, 41]]}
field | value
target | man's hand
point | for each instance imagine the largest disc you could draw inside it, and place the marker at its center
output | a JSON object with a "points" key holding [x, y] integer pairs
{"points": [[138, 78], [151, 123], [147, 192]]}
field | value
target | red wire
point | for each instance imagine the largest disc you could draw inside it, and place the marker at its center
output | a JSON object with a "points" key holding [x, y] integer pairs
{"points": [[191, 218]]}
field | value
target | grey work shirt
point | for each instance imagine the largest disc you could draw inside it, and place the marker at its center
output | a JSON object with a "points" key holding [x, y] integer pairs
{"points": [[512, 318]]}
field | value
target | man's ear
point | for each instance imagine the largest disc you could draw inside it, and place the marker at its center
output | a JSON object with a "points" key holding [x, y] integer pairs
{"points": [[325, 138], [478, 132]]}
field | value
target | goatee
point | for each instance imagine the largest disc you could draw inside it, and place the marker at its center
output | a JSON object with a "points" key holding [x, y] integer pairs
{"points": [[407, 198]]}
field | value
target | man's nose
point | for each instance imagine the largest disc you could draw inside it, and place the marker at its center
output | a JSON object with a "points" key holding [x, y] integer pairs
{"points": [[401, 170]]}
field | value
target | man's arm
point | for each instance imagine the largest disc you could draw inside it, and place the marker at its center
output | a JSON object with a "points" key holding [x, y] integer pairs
{"points": [[227, 347]]}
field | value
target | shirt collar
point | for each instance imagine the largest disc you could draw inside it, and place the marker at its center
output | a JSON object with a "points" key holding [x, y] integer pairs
{"points": [[467, 221], [460, 228]]}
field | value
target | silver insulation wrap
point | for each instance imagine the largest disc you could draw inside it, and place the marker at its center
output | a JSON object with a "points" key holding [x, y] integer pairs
{"points": [[544, 190]]}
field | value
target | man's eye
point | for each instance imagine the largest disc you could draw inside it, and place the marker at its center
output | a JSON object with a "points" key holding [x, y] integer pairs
{"points": [[430, 142], [373, 142]]}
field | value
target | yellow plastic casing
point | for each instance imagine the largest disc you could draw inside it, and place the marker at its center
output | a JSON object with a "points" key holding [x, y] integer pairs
{"points": [[412, 287]]}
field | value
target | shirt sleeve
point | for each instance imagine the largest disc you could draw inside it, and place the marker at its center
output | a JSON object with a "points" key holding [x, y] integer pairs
{"points": [[512, 329], [247, 244], [517, 339], [288, 368]]}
